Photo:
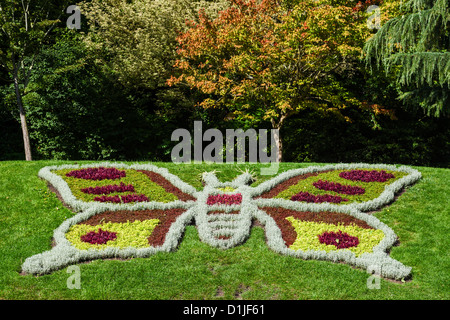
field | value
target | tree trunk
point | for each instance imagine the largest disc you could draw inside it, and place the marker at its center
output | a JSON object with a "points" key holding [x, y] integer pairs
{"points": [[278, 139], [279, 144], [23, 119]]}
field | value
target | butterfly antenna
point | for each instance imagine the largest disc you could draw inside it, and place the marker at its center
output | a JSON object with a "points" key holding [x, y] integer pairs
{"points": [[209, 177], [247, 175]]}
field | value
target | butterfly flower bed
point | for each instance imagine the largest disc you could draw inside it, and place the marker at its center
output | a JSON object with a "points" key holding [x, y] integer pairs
{"points": [[303, 211]]}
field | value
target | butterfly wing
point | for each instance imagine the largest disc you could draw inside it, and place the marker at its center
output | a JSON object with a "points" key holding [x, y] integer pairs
{"points": [[159, 207], [300, 225], [361, 186], [100, 233], [115, 185]]}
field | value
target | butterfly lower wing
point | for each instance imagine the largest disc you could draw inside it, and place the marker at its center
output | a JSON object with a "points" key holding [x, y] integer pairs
{"points": [[100, 233], [334, 234]]}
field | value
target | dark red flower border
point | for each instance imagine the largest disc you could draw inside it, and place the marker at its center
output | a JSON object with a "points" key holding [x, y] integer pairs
{"points": [[168, 187], [287, 183]]}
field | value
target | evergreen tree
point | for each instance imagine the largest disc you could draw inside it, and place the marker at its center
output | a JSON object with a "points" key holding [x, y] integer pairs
{"points": [[415, 48]]}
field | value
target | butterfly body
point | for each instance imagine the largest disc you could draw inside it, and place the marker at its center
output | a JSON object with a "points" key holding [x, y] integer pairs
{"points": [[222, 219]]}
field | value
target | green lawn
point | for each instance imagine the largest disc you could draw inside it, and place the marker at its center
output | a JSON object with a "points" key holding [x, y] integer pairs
{"points": [[29, 213]]}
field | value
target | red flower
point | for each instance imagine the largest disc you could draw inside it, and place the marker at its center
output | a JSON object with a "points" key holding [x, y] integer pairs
{"points": [[339, 239], [308, 197], [122, 187], [228, 199], [100, 173], [366, 175], [339, 188], [100, 237]]}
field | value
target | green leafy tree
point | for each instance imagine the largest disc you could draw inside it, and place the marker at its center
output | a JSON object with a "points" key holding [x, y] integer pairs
{"points": [[264, 61], [136, 39], [414, 47], [25, 26]]}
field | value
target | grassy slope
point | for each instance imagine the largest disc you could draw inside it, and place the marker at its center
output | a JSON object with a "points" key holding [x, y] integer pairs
{"points": [[29, 213]]}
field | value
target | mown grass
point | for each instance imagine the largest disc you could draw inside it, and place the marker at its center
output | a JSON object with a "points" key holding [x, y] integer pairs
{"points": [[29, 213]]}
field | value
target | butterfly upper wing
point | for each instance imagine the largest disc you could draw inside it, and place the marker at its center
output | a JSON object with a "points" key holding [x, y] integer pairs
{"points": [[334, 184], [139, 183]]}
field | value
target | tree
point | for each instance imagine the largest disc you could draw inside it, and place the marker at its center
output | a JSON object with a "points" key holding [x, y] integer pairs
{"points": [[267, 60], [76, 111], [25, 25], [415, 48], [137, 39]]}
